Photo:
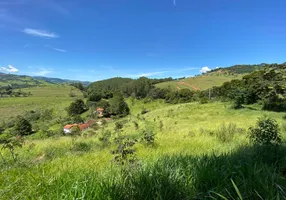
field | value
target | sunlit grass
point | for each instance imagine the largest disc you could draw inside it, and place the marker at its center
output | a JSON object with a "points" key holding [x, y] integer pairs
{"points": [[186, 161]]}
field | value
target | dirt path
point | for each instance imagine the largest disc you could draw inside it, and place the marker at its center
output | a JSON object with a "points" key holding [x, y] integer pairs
{"points": [[189, 85]]}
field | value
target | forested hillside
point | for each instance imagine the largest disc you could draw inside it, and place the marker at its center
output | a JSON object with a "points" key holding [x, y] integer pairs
{"points": [[267, 85], [59, 80], [238, 69]]}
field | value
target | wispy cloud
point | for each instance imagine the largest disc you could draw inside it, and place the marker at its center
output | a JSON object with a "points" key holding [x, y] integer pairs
{"points": [[57, 7], [40, 33], [42, 72], [9, 69], [148, 74], [205, 69], [43, 3], [188, 69], [56, 49], [174, 2]]}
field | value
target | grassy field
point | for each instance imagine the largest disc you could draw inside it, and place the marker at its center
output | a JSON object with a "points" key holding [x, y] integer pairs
{"points": [[53, 96], [189, 159], [199, 82]]}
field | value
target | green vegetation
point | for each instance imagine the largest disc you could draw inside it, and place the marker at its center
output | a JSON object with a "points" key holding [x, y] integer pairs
{"points": [[202, 82], [267, 85], [193, 155], [158, 143], [19, 81], [238, 69], [54, 96]]}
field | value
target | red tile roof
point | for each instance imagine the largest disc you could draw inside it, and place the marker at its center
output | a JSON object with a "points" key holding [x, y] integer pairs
{"points": [[100, 109], [81, 126]]}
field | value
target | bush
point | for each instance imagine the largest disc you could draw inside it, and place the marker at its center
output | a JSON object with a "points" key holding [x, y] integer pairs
{"points": [[81, 146], [124, 152], [118, 126], [104, 138], [204, 100], [148, 137], [265, 132], [22, 126], [275, 103], [226, 132]]}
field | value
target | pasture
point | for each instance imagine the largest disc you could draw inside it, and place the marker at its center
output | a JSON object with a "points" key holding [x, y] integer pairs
{"points": [[188, 159], [202, 82], [43, 97]]}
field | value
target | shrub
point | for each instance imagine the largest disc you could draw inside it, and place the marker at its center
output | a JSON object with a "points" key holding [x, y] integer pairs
{"points": [[237, 103], [226, 132], [124, 152], [81, 146], [204, 100], [148, 137], [104, 138], [22, 126], [118, 126], [75, 131], [265, 132]]}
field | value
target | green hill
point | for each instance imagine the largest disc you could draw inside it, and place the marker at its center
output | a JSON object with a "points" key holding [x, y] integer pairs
{"points": [[59, 80], [20, 81], [212, 78], [198, 82]]}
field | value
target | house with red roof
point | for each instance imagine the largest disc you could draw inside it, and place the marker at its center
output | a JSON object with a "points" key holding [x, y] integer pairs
{"points": [[83, 126], [99, 112]]}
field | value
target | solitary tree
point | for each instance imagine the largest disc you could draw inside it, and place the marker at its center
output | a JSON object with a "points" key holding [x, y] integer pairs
{"points": [[118, 106], [22, 126], [76, 108]]}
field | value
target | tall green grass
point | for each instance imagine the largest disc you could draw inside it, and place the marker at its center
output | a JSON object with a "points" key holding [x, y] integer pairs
{"points": [[200, 151]]}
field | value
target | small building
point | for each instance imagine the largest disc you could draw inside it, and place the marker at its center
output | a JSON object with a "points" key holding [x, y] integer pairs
{"points": [[83, 126], [99, 112]]}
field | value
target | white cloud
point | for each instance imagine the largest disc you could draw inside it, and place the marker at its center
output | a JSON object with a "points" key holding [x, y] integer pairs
{"points": [[205, 69], [40, 33], [42, 72], [61, 50], [188, 69], [56, 49], [9, 69]]}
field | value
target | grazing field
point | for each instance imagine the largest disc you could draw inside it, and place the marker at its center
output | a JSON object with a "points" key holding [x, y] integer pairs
{"points": [[200, 151], [202, 82], [53, 96]]}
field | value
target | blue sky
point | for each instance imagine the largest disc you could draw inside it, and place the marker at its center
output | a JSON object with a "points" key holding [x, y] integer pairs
{"points": [[97, 39]]}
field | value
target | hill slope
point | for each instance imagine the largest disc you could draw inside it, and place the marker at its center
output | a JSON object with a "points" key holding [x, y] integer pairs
{"points": [[20, 81], [23, 81], [199, 82], [212, 78], [58, 80]]}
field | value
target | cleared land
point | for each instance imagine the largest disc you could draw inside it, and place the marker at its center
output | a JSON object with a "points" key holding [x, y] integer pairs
{"points": [[199, 82], [187, 161], [43, 97]]}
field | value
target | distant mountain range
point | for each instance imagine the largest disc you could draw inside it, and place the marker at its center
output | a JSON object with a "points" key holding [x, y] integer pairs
{"points": [[22, 81]]}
